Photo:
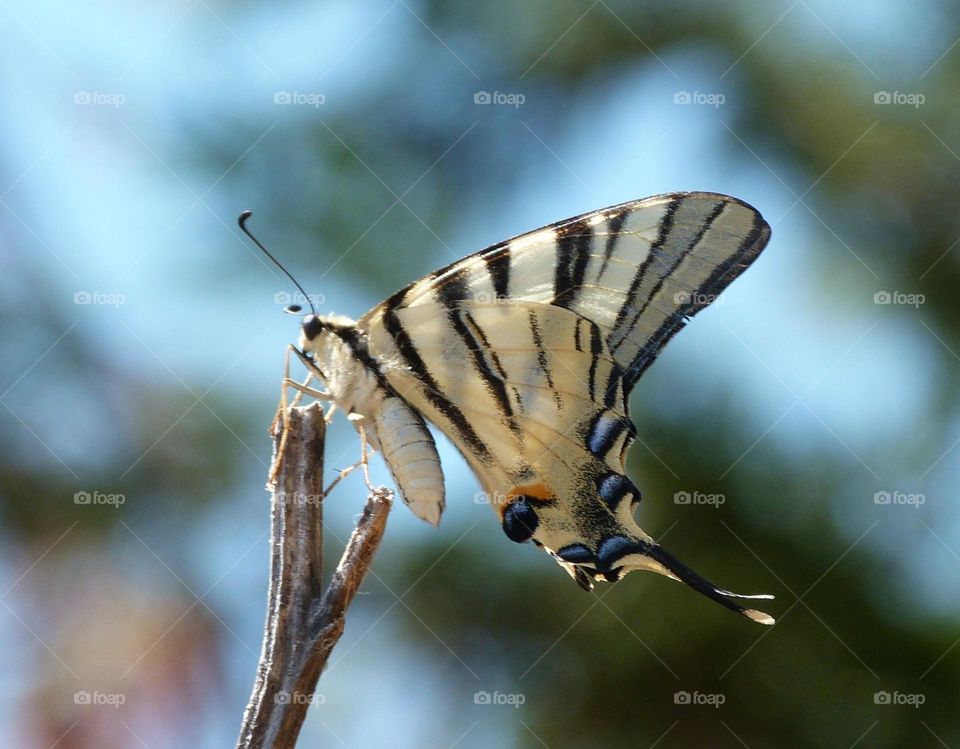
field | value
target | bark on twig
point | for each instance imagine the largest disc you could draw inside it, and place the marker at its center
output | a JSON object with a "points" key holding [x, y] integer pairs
{"points": [[303, 623]]}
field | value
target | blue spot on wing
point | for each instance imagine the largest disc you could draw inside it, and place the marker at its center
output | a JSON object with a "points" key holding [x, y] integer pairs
{"points": [[576, 554], [613, 487], [614, 548]]}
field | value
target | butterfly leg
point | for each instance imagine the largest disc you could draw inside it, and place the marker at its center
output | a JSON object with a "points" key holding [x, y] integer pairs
{"points": [[302, 389], [342, 474], [357, 419]]}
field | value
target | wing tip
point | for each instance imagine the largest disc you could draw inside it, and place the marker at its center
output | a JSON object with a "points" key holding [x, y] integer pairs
{"points": [[759, 617]]}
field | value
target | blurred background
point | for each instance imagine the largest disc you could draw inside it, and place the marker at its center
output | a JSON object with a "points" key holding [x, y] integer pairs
{"points": [[811, 416]]}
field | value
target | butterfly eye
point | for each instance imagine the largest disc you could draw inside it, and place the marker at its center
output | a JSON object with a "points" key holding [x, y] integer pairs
{"points": [[520, 520], [311, 326]]}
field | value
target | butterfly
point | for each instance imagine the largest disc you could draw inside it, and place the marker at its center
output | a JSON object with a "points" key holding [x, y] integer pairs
{"points": [[524, 355]]}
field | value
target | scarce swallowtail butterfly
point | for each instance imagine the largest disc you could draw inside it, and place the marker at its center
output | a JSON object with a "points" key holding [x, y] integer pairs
{"points": [[524, 355]]}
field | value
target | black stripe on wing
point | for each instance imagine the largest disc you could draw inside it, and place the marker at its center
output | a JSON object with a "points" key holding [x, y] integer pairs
{"points": [[450, 295], [724, 273], [431, 390], [624, 329], [621, 331], [498, 266], [574, 243], [542, 356], [614, 225]]}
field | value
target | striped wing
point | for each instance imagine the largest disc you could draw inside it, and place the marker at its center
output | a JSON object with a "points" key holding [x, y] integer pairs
{"points": [[524, 355], [638, 270], [525, 390]]}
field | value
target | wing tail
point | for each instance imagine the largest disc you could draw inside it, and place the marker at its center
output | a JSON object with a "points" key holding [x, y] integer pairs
{"points": [[681, 572]]}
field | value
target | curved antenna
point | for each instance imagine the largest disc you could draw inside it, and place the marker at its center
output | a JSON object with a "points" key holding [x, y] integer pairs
{"points": [[293, 308]]}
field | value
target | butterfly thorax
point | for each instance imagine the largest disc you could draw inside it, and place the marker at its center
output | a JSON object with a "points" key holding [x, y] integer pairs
{"points": [[342, 360]]}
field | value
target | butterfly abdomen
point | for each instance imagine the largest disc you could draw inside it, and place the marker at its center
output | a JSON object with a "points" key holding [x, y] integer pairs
{"points": [[411, 455]]}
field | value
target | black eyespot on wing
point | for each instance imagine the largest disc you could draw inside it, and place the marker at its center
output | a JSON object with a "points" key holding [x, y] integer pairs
{"points": [[613, 487], [614, 548], [311, 326], [520, 520], [576, 554]]}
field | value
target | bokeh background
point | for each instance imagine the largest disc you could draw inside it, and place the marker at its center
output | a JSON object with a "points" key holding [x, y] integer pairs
{"points": [[143, 344]]}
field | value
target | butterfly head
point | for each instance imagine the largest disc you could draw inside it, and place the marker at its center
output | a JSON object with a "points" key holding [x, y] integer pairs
{"points": [[310, 328]]}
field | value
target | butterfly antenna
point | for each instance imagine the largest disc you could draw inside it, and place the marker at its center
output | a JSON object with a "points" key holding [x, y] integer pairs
{"points": [[293, 307]]}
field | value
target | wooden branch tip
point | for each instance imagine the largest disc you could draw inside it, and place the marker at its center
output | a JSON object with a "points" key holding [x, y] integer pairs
{"points": [[303, 622]]}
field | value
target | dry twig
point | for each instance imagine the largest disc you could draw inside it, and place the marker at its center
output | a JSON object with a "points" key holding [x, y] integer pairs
{"points": [[303, 623]]}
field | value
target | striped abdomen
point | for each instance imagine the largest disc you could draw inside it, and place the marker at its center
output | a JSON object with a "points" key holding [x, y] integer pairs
{"points": [[411, 455]]}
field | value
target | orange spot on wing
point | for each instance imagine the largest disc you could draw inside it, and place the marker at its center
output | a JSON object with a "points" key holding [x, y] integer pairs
{"points": [[535, 491], [540, 491]]}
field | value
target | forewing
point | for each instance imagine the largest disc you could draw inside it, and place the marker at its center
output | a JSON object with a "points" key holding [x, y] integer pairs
{"points": [[638, 270]]}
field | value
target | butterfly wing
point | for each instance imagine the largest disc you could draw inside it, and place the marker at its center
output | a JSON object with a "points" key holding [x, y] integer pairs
{"points": [[638, 270], [524, 355]]}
